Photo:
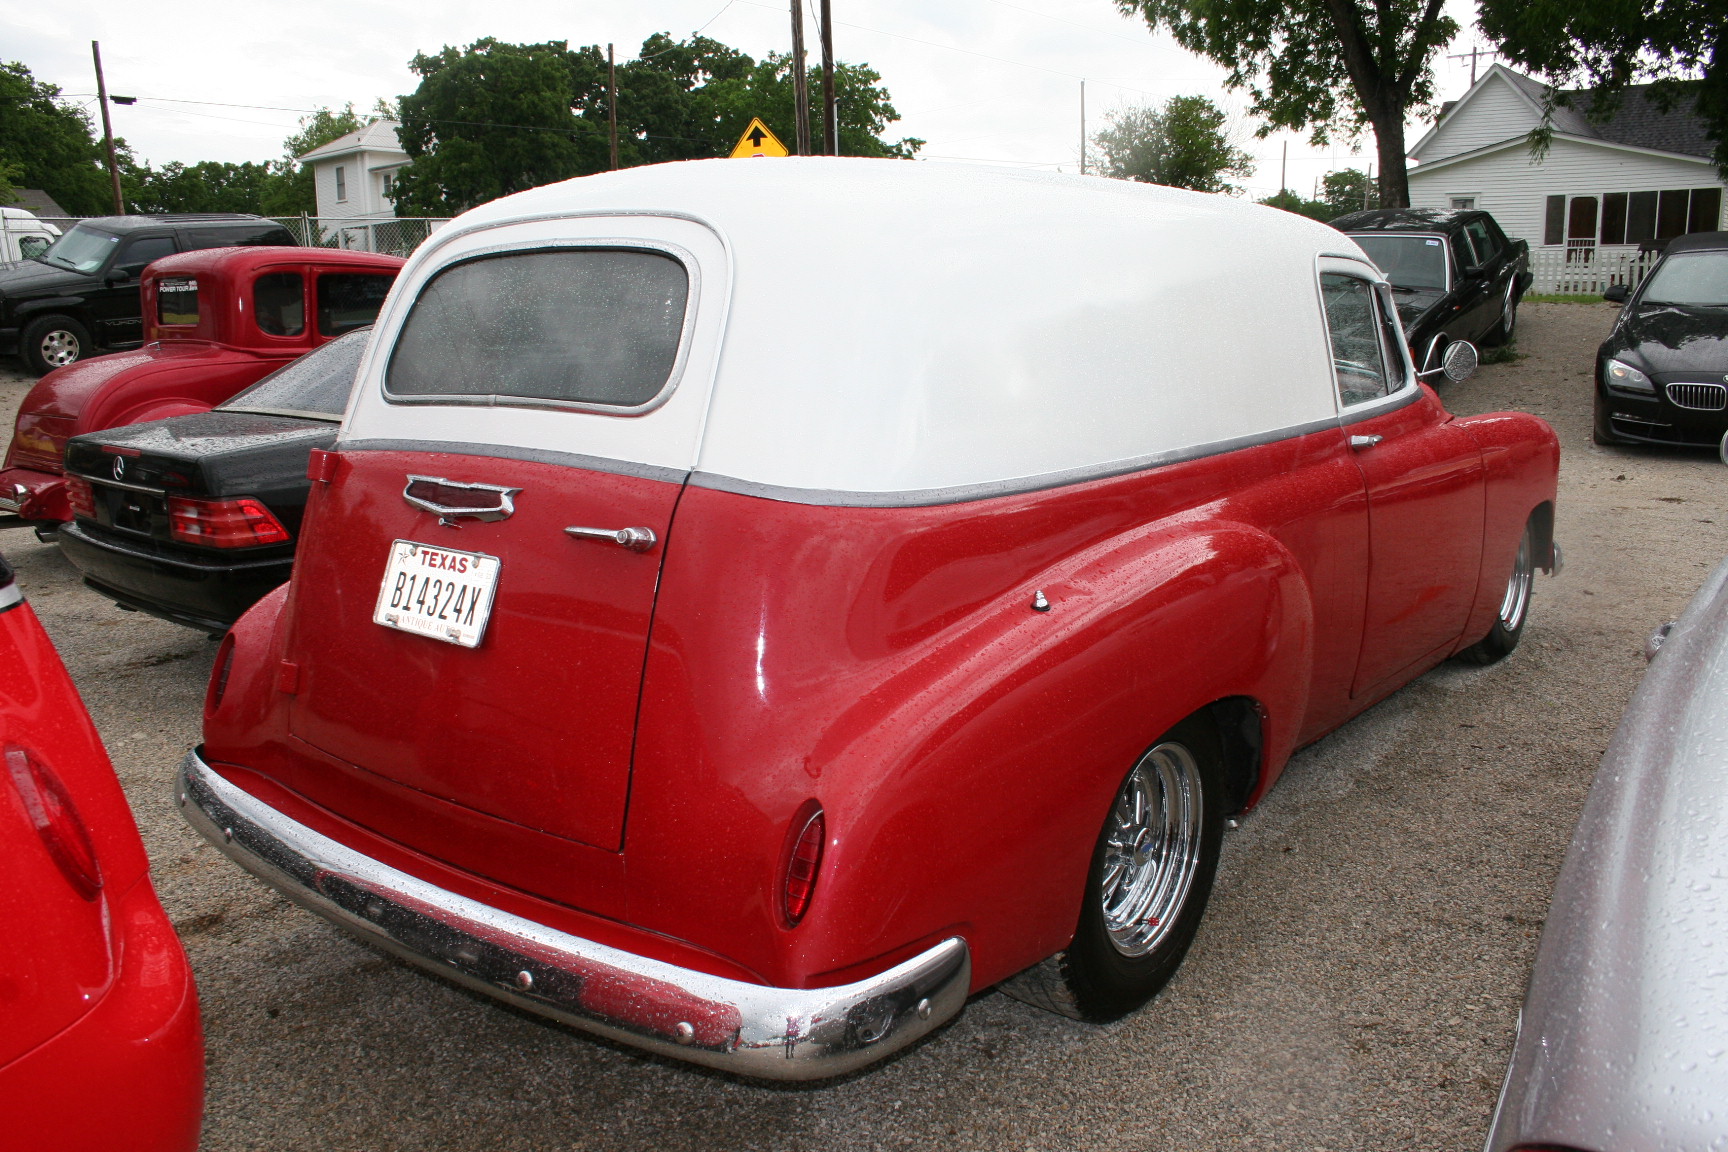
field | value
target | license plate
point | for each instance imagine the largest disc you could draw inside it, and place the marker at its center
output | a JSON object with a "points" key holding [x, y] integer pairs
{"points": [[437, 592]]}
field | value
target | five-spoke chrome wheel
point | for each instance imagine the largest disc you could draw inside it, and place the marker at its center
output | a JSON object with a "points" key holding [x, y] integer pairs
{"points": [[1152, 848]]}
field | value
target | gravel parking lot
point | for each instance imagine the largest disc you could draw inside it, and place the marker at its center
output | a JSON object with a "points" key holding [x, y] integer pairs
{"points": [[1355, 985]]}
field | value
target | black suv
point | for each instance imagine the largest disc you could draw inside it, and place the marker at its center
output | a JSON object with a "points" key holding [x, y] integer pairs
{"points": [[1454, 274], [80, 296]]}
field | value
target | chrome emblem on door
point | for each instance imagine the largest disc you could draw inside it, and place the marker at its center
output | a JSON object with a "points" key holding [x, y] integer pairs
{"points": [[453, 500]]}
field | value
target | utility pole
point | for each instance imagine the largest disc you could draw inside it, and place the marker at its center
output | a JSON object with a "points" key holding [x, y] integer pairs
{"points": [[612, 105], [1471, 56], [107, 130], [1082, 126], [800, 85], [830, 114], [1283, 170]]}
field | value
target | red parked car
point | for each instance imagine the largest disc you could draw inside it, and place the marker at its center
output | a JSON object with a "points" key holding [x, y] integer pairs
{"points": [[100, 1046], [751, 675], [216, 321]]}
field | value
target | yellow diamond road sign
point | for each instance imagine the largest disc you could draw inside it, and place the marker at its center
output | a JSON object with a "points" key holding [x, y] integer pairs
{"points": [[758, 141]]}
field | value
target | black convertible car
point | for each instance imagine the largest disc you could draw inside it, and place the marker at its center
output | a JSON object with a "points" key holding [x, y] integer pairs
{"points": [[1455, 275], [194, 518], [1662, 374]]}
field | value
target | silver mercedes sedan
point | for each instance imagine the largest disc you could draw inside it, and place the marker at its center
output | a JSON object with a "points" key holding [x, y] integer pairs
{"points": [[1623, 1040]]}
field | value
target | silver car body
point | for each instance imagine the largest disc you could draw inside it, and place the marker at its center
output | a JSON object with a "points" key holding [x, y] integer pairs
{"points": [[1623, 1041]]}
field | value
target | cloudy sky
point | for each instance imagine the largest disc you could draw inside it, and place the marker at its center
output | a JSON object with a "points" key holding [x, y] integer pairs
{"points": [[987, 80]]}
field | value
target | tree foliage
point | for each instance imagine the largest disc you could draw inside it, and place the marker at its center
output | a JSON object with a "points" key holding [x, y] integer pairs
{"points": [[290, 190], [210, 186], [1184, 144], [1325, 66], [1607, 45], [51, 144], [1348, 190], [1301, 205], [496, 118]]}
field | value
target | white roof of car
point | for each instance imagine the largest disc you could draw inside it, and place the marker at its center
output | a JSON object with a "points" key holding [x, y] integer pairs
{"points": [[906, 331]]}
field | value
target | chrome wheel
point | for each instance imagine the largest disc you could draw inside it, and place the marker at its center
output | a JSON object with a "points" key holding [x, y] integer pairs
{"points": [[1152, 849], [59, 347], [1516, 602]]}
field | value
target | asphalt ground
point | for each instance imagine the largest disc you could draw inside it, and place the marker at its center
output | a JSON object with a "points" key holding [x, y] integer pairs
{"points": [[1355, 985]]}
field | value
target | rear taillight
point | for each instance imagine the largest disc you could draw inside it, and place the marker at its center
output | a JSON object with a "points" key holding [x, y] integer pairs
{"points": [[242, 523], [39, 441], [55, 818], [802, 864], [219, 676], [81, 497]]}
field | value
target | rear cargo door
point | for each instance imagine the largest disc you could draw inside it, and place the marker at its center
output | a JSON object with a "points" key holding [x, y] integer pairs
{"points": [[476, 576]]}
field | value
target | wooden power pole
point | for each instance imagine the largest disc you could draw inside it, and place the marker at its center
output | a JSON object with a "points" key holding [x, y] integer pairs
{"points": [[612, 105], [830, 117], [107, 130], [800, 85]]}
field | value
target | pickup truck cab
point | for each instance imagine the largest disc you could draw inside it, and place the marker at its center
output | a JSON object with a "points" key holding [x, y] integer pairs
{"points": [[217, 320], [23, 236], [751, 673]]}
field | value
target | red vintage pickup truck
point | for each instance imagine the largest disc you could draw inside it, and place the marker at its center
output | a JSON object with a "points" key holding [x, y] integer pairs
{"points": [[216, 321]]}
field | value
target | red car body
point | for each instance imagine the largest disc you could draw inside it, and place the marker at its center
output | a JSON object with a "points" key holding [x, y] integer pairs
{"points": [[809, 680], [101, 1047], [252, 311]]}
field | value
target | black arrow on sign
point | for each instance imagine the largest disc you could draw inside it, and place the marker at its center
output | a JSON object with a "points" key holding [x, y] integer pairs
{"points": [[757, 136]]}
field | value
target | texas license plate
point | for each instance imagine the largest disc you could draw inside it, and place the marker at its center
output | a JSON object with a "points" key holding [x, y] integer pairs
{"points": [[437, 592]]}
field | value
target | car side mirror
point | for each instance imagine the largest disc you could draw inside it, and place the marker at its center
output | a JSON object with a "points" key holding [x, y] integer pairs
{"points": [[1616, 293], [1457, 365]]}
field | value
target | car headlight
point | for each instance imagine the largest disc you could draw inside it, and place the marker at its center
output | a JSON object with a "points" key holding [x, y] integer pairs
{"points": [[1623, 376]]}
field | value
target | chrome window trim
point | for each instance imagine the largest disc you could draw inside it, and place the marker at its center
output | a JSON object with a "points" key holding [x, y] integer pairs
{"points": [[692, 301], [507, 452]]}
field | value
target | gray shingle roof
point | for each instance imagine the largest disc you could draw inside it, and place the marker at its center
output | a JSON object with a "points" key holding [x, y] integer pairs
{"points": [[37, 201], [1641, 122]]}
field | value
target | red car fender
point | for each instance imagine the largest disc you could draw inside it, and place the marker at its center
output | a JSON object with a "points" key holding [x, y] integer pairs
{"points": [[243, 704], [1002, 738], [1522, 456]]}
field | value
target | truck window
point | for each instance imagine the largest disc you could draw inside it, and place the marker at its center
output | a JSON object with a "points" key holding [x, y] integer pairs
{"points": [[139, 253], [592, 326], [279, 303], [30, 247], [177, 300], [349, 300]]}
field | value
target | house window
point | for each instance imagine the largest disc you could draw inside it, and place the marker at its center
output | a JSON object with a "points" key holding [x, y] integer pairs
{"points": [[1581, 228], [341, 182], [386, 181], [1463, 203], [1629, 217]]}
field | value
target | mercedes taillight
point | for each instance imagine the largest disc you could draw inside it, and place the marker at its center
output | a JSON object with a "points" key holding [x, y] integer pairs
{"points": [[241, 523]]}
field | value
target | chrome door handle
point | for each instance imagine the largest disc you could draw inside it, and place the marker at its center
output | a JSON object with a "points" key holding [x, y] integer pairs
{"points": [[635, 539], [1358, 443]]}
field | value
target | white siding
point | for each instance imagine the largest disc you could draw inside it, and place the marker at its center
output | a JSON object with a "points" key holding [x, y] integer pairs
{"points": [[1515, 189], [1495, 113], [365, 198]]}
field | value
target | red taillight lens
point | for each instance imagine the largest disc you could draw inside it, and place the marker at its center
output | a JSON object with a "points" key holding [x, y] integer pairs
{"points": [[803, 864], [219, 676], [51, 810], [39, 441], [242, 523], [81, 497]]}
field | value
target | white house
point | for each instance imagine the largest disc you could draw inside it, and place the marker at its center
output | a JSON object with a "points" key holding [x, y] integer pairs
{"points": [[353, 173], [1640, 177]]}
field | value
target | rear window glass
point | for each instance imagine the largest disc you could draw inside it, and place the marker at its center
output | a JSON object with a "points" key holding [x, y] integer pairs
{"points": [[279, 303], [349, 300], [576, 325], [317, 384], [177, 300], [243, 235]]}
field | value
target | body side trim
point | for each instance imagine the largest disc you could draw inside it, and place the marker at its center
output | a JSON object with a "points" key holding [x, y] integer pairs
{"points": [[508, 452]]}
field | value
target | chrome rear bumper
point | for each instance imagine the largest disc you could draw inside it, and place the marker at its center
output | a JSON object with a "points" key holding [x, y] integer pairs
{"points": [[750, 1029]]}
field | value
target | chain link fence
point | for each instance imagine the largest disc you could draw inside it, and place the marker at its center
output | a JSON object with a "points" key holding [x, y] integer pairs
{"points": [[397, 237]]}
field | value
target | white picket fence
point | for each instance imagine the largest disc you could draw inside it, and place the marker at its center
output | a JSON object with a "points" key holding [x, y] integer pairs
{"points": [[1586, 271]]}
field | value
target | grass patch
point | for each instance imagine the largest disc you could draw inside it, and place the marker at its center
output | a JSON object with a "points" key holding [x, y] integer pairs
{"points": [[1504, 354], [1552, 298]]}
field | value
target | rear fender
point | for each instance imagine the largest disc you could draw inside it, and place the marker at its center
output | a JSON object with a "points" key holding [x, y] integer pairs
{"points": [[1521, 455], [252, 712]]}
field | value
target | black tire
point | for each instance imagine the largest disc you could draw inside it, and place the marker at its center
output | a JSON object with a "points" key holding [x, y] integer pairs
{"points": [[1514, 608], [1116, 963], [1507, 326], [50, 342]]}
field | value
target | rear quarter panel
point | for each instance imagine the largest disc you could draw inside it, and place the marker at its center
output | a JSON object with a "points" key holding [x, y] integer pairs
{"points": [[1521, 454]]}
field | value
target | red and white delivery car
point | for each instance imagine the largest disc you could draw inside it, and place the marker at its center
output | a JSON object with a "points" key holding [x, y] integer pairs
{"points": [[750, 607]]}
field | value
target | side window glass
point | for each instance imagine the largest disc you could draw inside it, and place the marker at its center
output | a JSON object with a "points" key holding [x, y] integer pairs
{"points": [[1358, 341], [279, 303], [31, 246], [142, 251], [177, 300], [1486, 249], [348, 300]]}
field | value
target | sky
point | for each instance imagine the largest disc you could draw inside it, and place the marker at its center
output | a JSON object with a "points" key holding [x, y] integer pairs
{"points": [[995, 81]]}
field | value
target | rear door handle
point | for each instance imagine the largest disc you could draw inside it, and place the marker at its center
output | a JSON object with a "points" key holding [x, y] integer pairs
{"points": [[1358, 443], [635, 539]]}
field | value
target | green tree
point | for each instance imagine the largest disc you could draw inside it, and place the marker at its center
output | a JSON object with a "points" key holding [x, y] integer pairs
{"points": [[1607, 45], [1348, 190], [52, 143], [1328, 66], [1291, 202], [1184, 144], [210, 186], [289, 190], [497, 118]]}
